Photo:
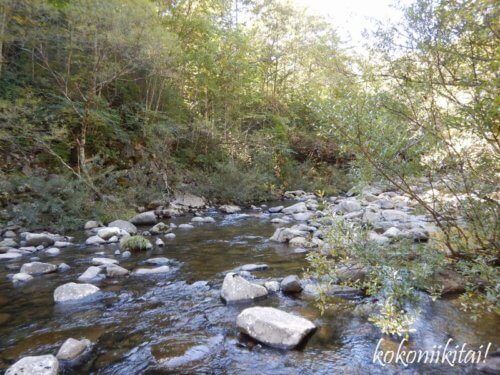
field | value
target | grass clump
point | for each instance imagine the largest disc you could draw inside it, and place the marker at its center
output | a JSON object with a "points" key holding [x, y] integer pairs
{"points": [[135, 243]]}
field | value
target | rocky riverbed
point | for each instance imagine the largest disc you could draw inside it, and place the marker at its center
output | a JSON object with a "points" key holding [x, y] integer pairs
{"points": [[219, 290]]}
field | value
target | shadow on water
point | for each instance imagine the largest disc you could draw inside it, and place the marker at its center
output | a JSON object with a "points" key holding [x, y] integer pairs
{"points": [[177, 323]]}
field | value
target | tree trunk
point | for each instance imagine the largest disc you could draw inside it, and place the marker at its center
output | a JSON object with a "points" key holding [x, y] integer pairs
{"points": [[3, 26]]}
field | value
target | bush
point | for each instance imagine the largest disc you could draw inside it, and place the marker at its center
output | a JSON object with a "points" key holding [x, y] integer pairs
{"points": [[235, 182], [56, 202], [395, 273], [135, 243]]}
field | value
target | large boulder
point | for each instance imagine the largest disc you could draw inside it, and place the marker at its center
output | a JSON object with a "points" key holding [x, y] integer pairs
{"points": [[145, 218], [74, 292], [37, 365], [274, 327], [37, 239], [38, 268], [72, 349], [236, 289], [125, 225], [295, 208], [188, 200], [229, 209]]}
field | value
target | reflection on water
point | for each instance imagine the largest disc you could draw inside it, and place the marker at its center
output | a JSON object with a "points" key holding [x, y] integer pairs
{"points": [[168, 324]]}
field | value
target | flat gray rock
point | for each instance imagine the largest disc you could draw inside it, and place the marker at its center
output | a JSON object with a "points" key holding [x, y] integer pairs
{"points": [[108, 232], [38, 268], [21, 277], [125, 225], [161, 261], [10, 256], [37, 239], [91, 224], [236, 289], [295, 208], [145, 218], [74, 291], [103, 261], [113, 270], [229, 209], [94, 240], [151, 271], [91, 273], [254, 267], [274, 327], [37, 365], [349, 205], [276, 209], [188, 200], [8, 242]]}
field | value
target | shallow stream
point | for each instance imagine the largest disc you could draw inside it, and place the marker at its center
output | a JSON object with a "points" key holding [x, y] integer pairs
{"points": [[173, 323]]}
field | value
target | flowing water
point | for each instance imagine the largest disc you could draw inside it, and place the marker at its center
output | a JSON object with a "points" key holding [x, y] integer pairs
{"points": [[176, 322]]}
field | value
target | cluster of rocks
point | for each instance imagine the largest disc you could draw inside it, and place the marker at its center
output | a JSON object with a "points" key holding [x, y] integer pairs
{"points": [[17, 243], [71, 353], [389, 215], [268, 325]]}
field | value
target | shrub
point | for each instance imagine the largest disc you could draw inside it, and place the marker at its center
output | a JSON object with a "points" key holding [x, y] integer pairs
{"points": [[57, 202], [395, 273], [135, 243], [235, 182]]}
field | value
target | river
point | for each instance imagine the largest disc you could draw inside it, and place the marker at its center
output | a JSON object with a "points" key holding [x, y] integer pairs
{"points": [[177, 323]]}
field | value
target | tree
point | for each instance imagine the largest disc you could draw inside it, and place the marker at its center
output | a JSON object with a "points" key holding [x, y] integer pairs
{"points": [[88, 48]]}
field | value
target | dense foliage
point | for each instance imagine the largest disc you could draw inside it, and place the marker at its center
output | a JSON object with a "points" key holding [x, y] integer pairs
{"points": [[425, 120], [160, 94]]}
